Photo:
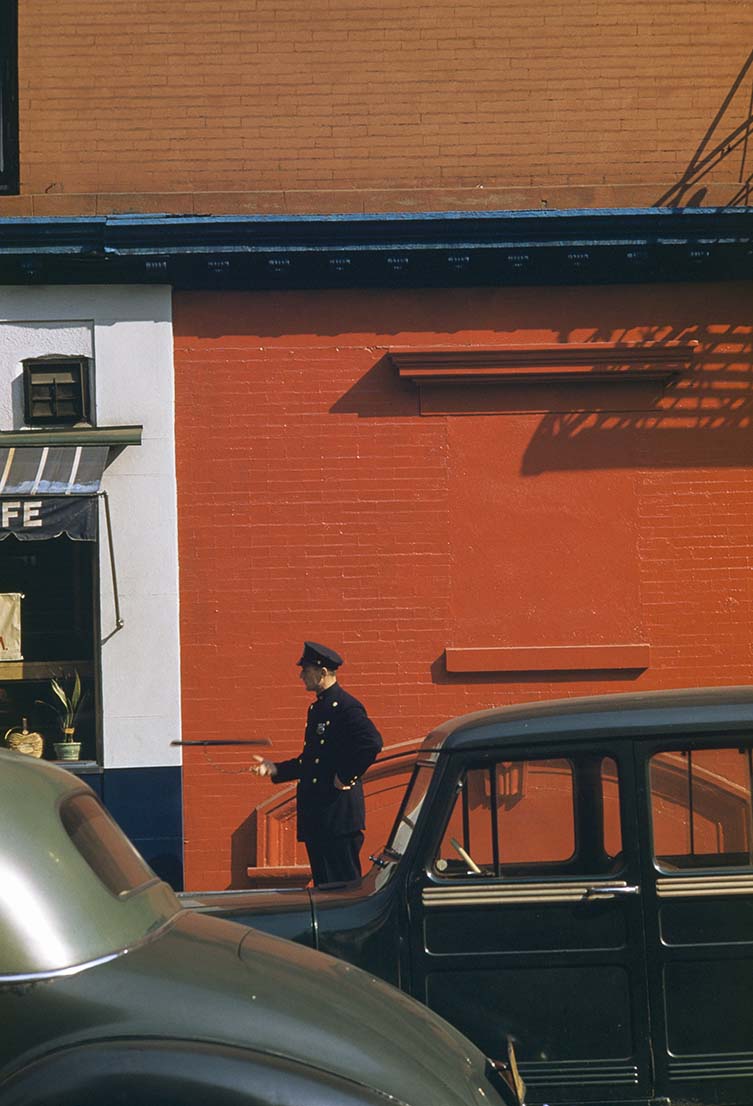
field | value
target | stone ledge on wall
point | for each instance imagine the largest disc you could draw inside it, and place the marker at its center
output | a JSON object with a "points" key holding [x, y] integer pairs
{"points": [[550, 658], [300, 201]]}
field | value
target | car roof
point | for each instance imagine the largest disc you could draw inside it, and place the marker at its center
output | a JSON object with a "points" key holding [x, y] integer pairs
{"points": [[637, 714], [56, 913]]}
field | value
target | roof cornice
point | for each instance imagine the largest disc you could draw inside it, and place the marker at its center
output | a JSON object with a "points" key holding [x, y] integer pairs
{"points": [[396, 250]]}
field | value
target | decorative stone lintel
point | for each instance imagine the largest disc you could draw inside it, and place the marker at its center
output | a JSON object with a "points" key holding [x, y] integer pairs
{"points": [[547, 658], [544, 363]]}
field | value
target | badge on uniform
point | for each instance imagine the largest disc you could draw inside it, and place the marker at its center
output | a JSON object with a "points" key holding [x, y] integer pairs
{"points": [[320, 728]]}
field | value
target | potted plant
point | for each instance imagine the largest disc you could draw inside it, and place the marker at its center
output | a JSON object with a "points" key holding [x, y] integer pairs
{"points": [[66, 707]]}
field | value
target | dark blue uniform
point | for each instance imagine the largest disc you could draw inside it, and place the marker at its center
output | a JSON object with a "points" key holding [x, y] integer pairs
{"points": [[341, 740]]}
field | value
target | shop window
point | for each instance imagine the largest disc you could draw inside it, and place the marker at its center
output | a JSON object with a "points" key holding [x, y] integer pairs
{"points": [[56, 392], [701, 808], [8, 96], [58, 618], [534, 818]]}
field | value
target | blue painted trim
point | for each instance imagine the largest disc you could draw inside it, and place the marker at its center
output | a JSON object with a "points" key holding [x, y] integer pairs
{"points": [[432, 249], [147, 805]]}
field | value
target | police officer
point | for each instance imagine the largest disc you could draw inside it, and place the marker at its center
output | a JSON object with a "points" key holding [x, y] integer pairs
{"points": [[341, 742]]}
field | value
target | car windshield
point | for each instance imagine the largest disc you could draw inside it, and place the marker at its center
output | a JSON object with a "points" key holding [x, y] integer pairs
{"points": [[411, 806]]}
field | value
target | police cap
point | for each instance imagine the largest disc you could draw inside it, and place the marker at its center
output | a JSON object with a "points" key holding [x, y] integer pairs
{"points": [[320, 655]]}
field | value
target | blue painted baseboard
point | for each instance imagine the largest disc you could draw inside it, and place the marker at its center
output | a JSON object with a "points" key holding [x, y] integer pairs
{"points": [[147, 805]]}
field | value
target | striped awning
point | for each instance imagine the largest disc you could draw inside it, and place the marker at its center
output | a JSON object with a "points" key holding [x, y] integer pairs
{"points": [[52, 470], [49, 490]]}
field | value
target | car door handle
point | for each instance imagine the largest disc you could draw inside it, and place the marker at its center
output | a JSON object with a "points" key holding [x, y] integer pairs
{"points": [[612, 889]]}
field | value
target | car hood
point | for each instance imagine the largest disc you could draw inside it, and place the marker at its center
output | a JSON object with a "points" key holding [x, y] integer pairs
{"points": [[285, 912], [299, 914], [207, 979], [366, 1029]]}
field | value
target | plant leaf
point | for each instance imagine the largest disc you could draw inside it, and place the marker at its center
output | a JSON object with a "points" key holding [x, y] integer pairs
{"points": [[76, 696], [65, 714], [58, 690]]}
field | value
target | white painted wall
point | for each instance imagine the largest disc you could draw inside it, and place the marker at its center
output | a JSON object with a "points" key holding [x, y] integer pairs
{"points": [[128, 333]]}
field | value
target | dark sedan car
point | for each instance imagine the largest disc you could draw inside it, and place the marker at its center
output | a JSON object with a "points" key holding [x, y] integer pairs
{"points": [[111, 994], [577, 875]]}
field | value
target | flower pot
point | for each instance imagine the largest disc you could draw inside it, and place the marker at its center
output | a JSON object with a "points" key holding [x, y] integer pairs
{"points": [[68, 749]]}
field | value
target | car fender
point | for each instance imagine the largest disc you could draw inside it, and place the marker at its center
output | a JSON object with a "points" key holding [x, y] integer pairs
{"points": [[177, 1073], [281, 913]]}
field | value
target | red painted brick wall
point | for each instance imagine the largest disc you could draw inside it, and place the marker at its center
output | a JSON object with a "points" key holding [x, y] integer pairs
{"points": [[315, 501], [337, 105]]}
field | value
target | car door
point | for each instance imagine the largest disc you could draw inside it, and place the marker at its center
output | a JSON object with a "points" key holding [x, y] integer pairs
{"points": [[526, 919], [698, 900]]}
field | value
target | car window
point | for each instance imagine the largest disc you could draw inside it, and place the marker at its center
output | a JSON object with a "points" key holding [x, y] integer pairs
{"points": [[411, 807], [519, 818], [701, 808], [103, 845]]}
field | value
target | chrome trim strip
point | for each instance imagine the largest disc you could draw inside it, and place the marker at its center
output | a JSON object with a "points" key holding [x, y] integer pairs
{"points": [[522, 893], [74, 969], [60, 973], [713, 1067], [697, 886], [568, 1073]]}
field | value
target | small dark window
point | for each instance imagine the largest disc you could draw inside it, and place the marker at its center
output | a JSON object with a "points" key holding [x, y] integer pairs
{"points": [[56, 392], [8, 97]]}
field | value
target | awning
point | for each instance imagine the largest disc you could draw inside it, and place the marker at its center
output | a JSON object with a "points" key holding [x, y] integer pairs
{"points": [[37, 518], [52, 470], [46, 491]]}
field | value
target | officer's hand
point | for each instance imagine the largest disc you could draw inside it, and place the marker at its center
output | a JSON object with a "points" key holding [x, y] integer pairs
{"points": [[340, 785], [263, 767]]}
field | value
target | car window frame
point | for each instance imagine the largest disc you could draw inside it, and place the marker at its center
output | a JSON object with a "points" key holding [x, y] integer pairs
{"points": [[118, 839], [683, 745], [428, 761], [554, 871]]}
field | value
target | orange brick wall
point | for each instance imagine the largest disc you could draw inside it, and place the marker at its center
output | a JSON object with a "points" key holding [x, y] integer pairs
{"points": [[339, 105], [315, 501]]}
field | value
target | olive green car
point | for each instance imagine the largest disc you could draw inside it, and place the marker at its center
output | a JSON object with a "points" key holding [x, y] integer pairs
{"points": [[111, 993]]}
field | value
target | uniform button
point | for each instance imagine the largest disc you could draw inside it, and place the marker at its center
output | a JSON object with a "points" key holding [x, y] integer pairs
{"points": [[322, 741], [327, 722], [335, 703], [314, 780], [316, 760]]}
